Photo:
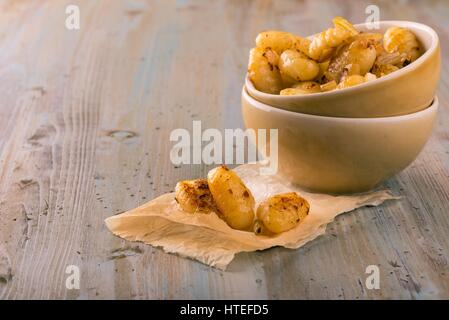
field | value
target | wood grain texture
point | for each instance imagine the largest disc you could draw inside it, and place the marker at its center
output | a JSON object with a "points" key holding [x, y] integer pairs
{"points": [[85, 118]]}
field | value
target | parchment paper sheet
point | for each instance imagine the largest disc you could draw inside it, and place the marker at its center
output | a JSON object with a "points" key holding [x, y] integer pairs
{"points": [[208, 239]]}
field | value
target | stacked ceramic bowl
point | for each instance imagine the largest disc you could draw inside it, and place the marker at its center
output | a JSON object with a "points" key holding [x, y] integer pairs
{"points": [[351, 140]]}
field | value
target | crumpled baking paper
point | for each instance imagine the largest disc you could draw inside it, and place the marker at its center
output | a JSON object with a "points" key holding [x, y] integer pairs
{"points": [[208, 239]]}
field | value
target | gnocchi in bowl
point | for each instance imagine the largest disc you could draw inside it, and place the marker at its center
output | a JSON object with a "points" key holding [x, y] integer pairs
{"points": [[340, 155], [347, 71]]}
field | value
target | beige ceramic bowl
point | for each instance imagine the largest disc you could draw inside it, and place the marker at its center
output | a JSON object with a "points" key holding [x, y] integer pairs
{"points": [[407, 90], [341, 155]]}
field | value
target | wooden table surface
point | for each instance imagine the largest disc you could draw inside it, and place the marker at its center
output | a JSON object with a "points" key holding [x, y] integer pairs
{"points": [[85, 118]]}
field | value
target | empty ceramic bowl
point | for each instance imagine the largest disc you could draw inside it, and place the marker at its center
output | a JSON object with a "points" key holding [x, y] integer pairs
{"points": [[341, 155], [407, 90]]}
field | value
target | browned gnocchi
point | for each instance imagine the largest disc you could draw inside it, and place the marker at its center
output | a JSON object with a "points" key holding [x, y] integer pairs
{"points": [[224, 193], [194, 196], [234, 200], [337, 58], [281, 212]]}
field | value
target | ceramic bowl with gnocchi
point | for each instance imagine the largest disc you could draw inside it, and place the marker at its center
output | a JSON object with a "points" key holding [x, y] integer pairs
{"points": [[347, 71], [341, 155]]}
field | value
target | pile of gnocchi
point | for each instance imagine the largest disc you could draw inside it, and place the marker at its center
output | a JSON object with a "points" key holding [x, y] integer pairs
{"points": [[224, 193], [339, 57]]}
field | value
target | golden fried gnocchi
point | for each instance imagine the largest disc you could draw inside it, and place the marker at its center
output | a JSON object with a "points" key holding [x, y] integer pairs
{"points": [[402, 40], [263, 70], [387, 63], [279, 41], [337, 58], [321, 46], [302, 88], [232, 198], [374, 39], [225, 194], [282, 212], [381, 70], [295, 66], [356, 58], [351, 81], [194, 196], [363, 54]]}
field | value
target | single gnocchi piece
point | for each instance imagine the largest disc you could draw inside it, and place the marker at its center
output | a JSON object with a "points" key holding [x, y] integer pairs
{"points": [[263, 70], [282, 212], [397, 39], [387, 63], [351, 81], [394, 58], [321, 46], [194, 196], [278, 41], [306, 87], [363, 54], [381, 70], [232, 198], [356, 58], [337, 64], [375, 39], [295, 66]]}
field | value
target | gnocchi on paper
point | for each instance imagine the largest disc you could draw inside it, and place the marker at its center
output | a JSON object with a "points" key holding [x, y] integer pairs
{"points": [[226, 194], [337, 58]]}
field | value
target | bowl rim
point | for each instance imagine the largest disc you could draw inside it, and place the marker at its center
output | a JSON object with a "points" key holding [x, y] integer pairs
{"points": [[409, 68], [432, 108]]}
